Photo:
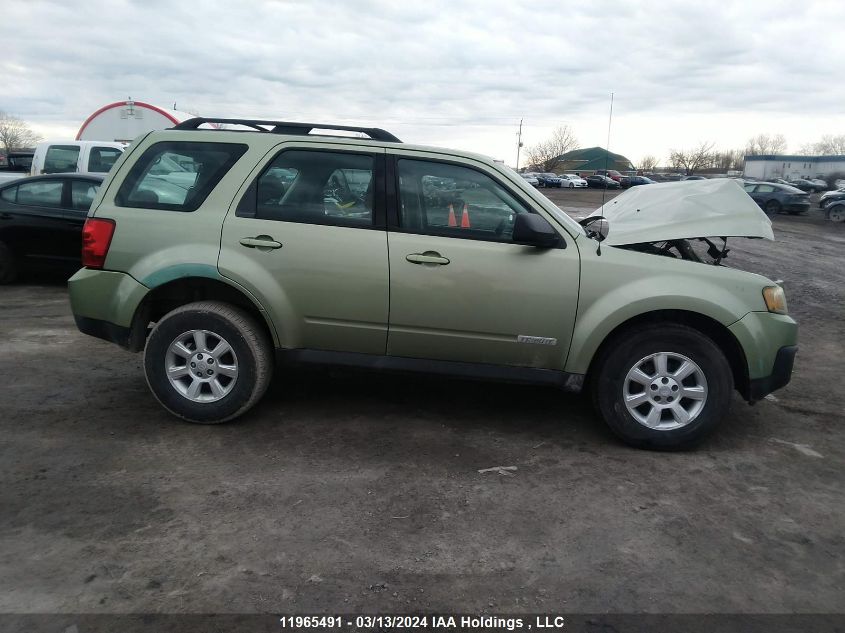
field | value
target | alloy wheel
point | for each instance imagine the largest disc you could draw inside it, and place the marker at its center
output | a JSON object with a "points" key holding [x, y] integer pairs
{"points": [[665, 391], [201, 366]]}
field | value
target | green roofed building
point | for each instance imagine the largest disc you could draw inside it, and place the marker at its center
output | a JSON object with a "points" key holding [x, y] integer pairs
{"points": [[592, 159]]}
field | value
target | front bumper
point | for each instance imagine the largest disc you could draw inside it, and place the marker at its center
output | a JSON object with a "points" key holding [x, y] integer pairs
{"points": [[781, 373], [769, 343]]}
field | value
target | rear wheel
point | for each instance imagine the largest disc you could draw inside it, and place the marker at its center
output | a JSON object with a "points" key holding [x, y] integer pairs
{"points": [[8, 265], [208, 362], [773, 207], [663, 387]]}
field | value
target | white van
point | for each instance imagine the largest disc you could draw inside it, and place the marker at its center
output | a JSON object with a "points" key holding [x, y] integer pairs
{"points": [[59, 157]]}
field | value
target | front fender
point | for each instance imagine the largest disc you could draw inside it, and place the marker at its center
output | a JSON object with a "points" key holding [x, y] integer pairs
{"points": [[620, 285]]}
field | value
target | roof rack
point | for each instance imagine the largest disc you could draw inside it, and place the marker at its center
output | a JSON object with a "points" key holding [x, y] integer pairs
{"points": [[288, 127]]}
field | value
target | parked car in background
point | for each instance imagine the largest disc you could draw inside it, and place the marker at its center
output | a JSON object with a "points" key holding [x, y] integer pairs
{"points": [[610, 173], [693, 178], [820, 183], [624, 181], [807, 185], [597, 181], [61, 157], [641, 180], [570, 181], [531, 179], [548, 179], [831, 196], [15, 165], [774, 198], [41, 221]]}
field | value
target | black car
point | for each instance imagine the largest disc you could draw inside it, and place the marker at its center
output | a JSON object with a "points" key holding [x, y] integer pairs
{"points": [[640, 180], [807, 185], [16, 161], [41, 222], [831, 196], [774, 197], [601, 182]]}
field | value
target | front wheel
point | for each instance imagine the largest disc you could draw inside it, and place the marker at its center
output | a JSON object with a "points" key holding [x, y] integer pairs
{"points": [[208, 362], [571, 185], [837, 214], [663, 387]]}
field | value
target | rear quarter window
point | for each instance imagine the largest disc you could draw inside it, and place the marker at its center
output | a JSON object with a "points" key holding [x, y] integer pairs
{"points": [[177, 175]]}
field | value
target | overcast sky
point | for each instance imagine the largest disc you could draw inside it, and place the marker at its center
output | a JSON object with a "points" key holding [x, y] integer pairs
{"points": [[454, 73]]}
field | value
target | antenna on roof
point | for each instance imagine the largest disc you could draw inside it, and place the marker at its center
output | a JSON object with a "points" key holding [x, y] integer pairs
{"points": [[606, 161]]}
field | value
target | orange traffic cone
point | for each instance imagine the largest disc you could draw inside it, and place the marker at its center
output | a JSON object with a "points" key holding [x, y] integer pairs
{"points": [[452, 220], [465, 218]]}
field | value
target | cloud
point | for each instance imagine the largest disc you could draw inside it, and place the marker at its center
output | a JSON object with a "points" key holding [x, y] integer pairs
{"points": [[436, 71]]}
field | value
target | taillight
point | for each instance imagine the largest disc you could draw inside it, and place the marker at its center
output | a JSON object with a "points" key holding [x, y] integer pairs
{"points": [[96, 238]]}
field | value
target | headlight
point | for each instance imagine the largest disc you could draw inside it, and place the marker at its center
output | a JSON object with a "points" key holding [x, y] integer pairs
{"points": [[775, 299]]}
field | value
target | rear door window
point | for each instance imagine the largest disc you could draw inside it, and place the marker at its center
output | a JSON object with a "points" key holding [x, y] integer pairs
{"points": [[316, 187], [177, 175], [101, 159], [44, 193], [61, 159]]}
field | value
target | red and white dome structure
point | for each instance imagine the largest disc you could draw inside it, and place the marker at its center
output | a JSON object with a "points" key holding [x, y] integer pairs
{"points": [[123, 121]]}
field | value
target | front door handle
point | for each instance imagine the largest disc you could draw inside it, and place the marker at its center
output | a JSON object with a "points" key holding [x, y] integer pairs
{"points": [[429, 257], [261, 242]]}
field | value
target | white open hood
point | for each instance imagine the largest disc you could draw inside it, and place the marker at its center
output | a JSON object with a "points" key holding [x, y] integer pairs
{"points": [[683, 210]]}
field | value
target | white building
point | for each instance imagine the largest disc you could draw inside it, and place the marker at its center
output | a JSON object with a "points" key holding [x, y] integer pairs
{"points": [[789, 167], [124, 121]]}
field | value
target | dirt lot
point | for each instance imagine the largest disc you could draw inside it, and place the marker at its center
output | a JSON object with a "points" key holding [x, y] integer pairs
{"points": [[349, 491]]}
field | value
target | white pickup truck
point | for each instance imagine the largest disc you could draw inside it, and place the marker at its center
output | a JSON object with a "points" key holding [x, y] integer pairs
{"points": [[58, 157]]}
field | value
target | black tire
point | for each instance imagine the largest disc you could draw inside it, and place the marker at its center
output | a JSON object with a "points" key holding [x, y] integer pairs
{"points": [[571, 185], [248, 340], [773, 207], [8, 265], [608, 382]]}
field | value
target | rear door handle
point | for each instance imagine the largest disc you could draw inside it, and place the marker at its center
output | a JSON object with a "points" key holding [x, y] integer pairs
{"points": [[261, 242], [429, 257]]}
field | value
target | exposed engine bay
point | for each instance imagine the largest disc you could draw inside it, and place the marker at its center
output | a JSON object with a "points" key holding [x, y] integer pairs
{"points": [[702, 250]]}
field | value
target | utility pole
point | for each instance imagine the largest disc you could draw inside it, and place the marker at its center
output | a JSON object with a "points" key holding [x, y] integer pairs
{"points": [[518, 144]]}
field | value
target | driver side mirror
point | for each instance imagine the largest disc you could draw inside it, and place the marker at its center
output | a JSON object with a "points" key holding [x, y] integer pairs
{"points": [[531, 229]]}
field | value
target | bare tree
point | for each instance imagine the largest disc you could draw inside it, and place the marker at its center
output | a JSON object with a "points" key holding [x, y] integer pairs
{"points": [[648, 163], [691, 159], [830, 145], [765, 144], [15, 133], [728, 160], [546, 155]]}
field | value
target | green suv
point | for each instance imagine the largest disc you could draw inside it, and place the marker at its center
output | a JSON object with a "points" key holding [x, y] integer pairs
{"points": [[224, 247]]}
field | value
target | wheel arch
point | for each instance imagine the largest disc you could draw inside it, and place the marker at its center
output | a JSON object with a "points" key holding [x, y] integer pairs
{"points": [[178, 292], [713, 329]]}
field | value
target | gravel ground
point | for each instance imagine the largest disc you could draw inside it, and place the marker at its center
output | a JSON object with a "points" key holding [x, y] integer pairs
{"points": [[348, 491]]}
